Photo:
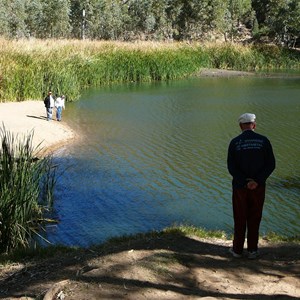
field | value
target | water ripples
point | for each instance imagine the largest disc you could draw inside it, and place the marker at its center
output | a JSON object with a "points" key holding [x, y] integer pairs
{"points": [[156, 157]]}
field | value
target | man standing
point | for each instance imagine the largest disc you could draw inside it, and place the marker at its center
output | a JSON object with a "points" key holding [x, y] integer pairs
{"points": [[250, 161], [49, 104]]}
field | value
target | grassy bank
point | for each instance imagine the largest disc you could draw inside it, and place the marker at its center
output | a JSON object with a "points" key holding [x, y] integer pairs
{"points": [[28, 69], [120, 242]]}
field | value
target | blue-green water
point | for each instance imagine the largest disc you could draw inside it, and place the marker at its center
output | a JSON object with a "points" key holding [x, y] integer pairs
{"points": [[154, 155]]}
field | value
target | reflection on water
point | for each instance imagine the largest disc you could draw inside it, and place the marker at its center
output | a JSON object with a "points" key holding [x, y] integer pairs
{"points": [[154, 155]]}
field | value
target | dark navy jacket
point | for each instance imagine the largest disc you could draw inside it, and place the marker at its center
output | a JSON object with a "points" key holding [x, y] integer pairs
{"points": [[250, 155]]}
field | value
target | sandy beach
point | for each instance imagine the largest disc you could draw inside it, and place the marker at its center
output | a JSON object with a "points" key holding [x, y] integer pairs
{"points": [[20, 118]]}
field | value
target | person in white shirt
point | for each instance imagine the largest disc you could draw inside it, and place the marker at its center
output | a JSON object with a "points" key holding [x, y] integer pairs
{"points": [[59, 105]]}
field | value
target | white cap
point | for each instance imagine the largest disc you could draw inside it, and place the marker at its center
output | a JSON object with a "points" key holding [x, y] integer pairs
{"points": [[247, 118]]}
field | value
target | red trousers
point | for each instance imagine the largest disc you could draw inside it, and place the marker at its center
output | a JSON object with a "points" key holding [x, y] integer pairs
{"points": [[247, 212]]}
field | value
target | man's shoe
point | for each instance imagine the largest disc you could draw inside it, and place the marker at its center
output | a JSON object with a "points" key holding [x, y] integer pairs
{"points": [[253, 254], [236, 255]]}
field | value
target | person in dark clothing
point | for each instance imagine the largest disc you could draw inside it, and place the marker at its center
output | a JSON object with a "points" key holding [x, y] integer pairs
{"points": [[49, 104], [250, 162]]}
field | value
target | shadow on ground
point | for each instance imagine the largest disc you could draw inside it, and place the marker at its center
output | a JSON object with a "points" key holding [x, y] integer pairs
{"points": [[171, 266]]}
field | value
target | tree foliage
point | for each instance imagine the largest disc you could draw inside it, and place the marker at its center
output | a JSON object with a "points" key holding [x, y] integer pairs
{"points": [[127, 20], [278, 20]]}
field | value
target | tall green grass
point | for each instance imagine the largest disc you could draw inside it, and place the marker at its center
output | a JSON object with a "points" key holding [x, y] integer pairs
{"points": [[253, 57], [26, 185], [29, 68]]}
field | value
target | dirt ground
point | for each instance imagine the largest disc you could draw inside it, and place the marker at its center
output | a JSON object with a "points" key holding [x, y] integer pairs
{"points": [[167, 267]]}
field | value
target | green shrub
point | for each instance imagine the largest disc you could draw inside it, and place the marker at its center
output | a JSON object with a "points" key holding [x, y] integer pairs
{"points": [[26, 185]]}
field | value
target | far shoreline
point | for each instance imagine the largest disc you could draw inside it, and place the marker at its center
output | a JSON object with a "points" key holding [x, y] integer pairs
{"points": [[225, 73]]}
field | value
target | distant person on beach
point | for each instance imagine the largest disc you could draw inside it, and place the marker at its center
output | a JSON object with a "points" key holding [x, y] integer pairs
{"points": [[59, 105], [250, 161], [49, 104]]}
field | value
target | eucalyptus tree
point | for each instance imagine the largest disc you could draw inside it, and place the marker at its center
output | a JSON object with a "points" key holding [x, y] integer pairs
{"points": [[150, 19], [147, 19], [34, 13], [283, 21], [278, 19], [163, 27], [293, 24], [109, 19], [236, 11], [193, 19], [84, 18], [238, 8], [223, 21], [173, 11], [4, 20], [12, 18], [77, 18], [55, 22], [140, 20], [185, 21], [261, 8]]}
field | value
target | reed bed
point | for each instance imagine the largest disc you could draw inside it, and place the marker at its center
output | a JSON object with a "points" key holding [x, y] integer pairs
{"points": [[29, 68], [26, 186]]}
